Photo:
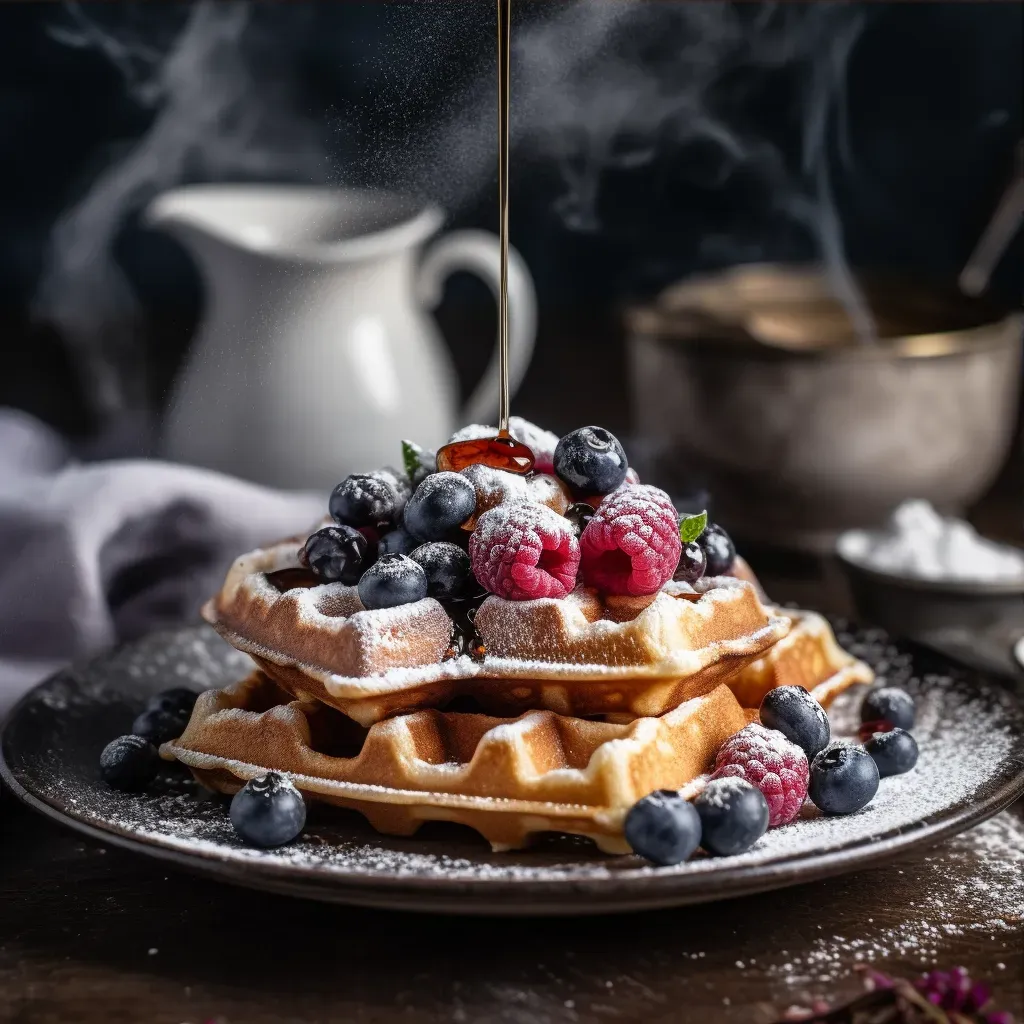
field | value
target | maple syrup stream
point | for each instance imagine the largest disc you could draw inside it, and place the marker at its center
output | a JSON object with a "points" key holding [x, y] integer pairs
{"points": [[504, 451]]}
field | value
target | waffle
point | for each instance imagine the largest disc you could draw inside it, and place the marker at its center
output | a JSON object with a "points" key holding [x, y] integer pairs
{"points": [[809, 657], [507, 778], [577, 656]]}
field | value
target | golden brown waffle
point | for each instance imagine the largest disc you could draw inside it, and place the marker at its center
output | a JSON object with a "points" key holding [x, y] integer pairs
{"points": [[509, 779], [577, 656], [809, 657]]}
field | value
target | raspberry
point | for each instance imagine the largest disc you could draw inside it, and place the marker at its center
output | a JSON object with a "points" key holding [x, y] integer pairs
{"points": [[631, 545], [522, 550], [766, 759]]}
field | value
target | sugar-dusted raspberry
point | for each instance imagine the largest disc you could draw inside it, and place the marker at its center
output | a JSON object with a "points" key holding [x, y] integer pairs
{"points": [[522, 550], [631, 545], [766, 759]]}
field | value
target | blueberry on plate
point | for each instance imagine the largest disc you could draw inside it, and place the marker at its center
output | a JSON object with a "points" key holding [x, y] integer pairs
{"points": [[798, 716], [129, 763], [590, 460], [268, 811], [179, 700], [366, 499], [391, 581], [663, 827], [159, 725], [843, 779], [447, 566], [337, 554], [894, 752], [888, 704], [719, 550], [396, 542], [441, 504], [692, 563], [733, 816]]}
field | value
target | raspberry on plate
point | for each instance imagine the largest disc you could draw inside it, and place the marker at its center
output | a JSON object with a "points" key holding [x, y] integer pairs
{"points": [[631, 545], [522, 550], [766, 759]]}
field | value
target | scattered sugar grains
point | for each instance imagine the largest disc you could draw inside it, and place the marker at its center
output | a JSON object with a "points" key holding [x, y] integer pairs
{"points": [[986, 902]]}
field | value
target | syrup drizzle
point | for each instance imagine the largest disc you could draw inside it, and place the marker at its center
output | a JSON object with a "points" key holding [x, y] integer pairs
{"points": [[465, 637], [284, 580], [504, 451]]}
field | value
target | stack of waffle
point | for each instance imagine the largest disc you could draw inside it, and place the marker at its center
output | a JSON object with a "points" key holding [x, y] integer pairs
{"points": [[563, 716]]}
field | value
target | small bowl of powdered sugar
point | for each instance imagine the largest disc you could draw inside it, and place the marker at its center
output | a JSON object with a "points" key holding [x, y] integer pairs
{"points": [[935, 579]]}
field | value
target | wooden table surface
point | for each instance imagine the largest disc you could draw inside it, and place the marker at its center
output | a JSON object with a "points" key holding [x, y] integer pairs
{"points": [[93, 934]]}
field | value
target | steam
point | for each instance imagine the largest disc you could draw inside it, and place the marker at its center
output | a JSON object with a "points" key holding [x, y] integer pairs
{"points": [[606, 86], [215, 118], [601, 88]]}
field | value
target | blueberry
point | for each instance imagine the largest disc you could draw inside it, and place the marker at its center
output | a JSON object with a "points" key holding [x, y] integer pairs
{"points": [[441, 504], [843, 779], [180, 700], [337, 554], [692, 563], [887, 704], [718, 549], [396, 542], [591, 460], [733, 816], [895, 752], [159, 725], [579, 513], [798, 716], [393, 580], [663, 827], [129, 763], [268, 811], [447, 567], [366, 499]]}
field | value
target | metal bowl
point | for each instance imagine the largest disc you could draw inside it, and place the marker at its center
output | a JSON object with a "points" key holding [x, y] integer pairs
{"points": [[756, 384], [978, 623]]}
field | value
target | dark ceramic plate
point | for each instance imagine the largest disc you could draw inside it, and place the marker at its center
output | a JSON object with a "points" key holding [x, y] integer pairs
{"points": [[971, 735]]}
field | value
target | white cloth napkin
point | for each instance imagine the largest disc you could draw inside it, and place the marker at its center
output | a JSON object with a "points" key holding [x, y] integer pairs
{"points": [[92, 554]]}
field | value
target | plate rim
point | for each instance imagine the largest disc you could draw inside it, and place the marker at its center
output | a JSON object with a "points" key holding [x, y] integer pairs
{"points": [[528, 896]]}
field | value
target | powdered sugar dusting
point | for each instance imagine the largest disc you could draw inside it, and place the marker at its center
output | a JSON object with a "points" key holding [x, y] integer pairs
{"points": [[968, 736], [973, 886]]}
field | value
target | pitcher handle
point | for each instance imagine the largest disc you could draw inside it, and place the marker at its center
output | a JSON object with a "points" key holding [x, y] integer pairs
{"points": [[478, 253]]}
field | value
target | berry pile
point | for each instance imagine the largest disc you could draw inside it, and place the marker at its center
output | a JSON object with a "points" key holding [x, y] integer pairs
{"points": [[763, 775], [580, 516]]}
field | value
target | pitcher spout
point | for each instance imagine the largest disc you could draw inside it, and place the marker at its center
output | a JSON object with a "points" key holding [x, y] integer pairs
{"points": [[295, 222]]}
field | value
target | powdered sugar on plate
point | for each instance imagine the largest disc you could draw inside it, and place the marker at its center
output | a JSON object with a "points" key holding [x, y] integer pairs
{"points": [[969, 736]]}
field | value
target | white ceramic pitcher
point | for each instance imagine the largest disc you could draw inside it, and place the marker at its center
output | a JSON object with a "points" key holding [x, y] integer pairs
{"points": [[316, 355]]}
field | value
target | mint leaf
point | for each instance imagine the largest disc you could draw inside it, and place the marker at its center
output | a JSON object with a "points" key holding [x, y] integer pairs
{"points": [[691, 527], [411, 458]]}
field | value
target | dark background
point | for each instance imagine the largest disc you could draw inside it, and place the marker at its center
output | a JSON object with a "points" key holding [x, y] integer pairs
{"points": [[933, 110]]}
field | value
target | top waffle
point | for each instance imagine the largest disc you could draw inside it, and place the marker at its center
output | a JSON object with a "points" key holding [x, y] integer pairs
{"points": [[635, 656]]}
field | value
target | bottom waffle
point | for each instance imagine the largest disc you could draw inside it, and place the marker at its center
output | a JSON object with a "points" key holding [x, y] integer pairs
{"points": [[508, 778]]}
